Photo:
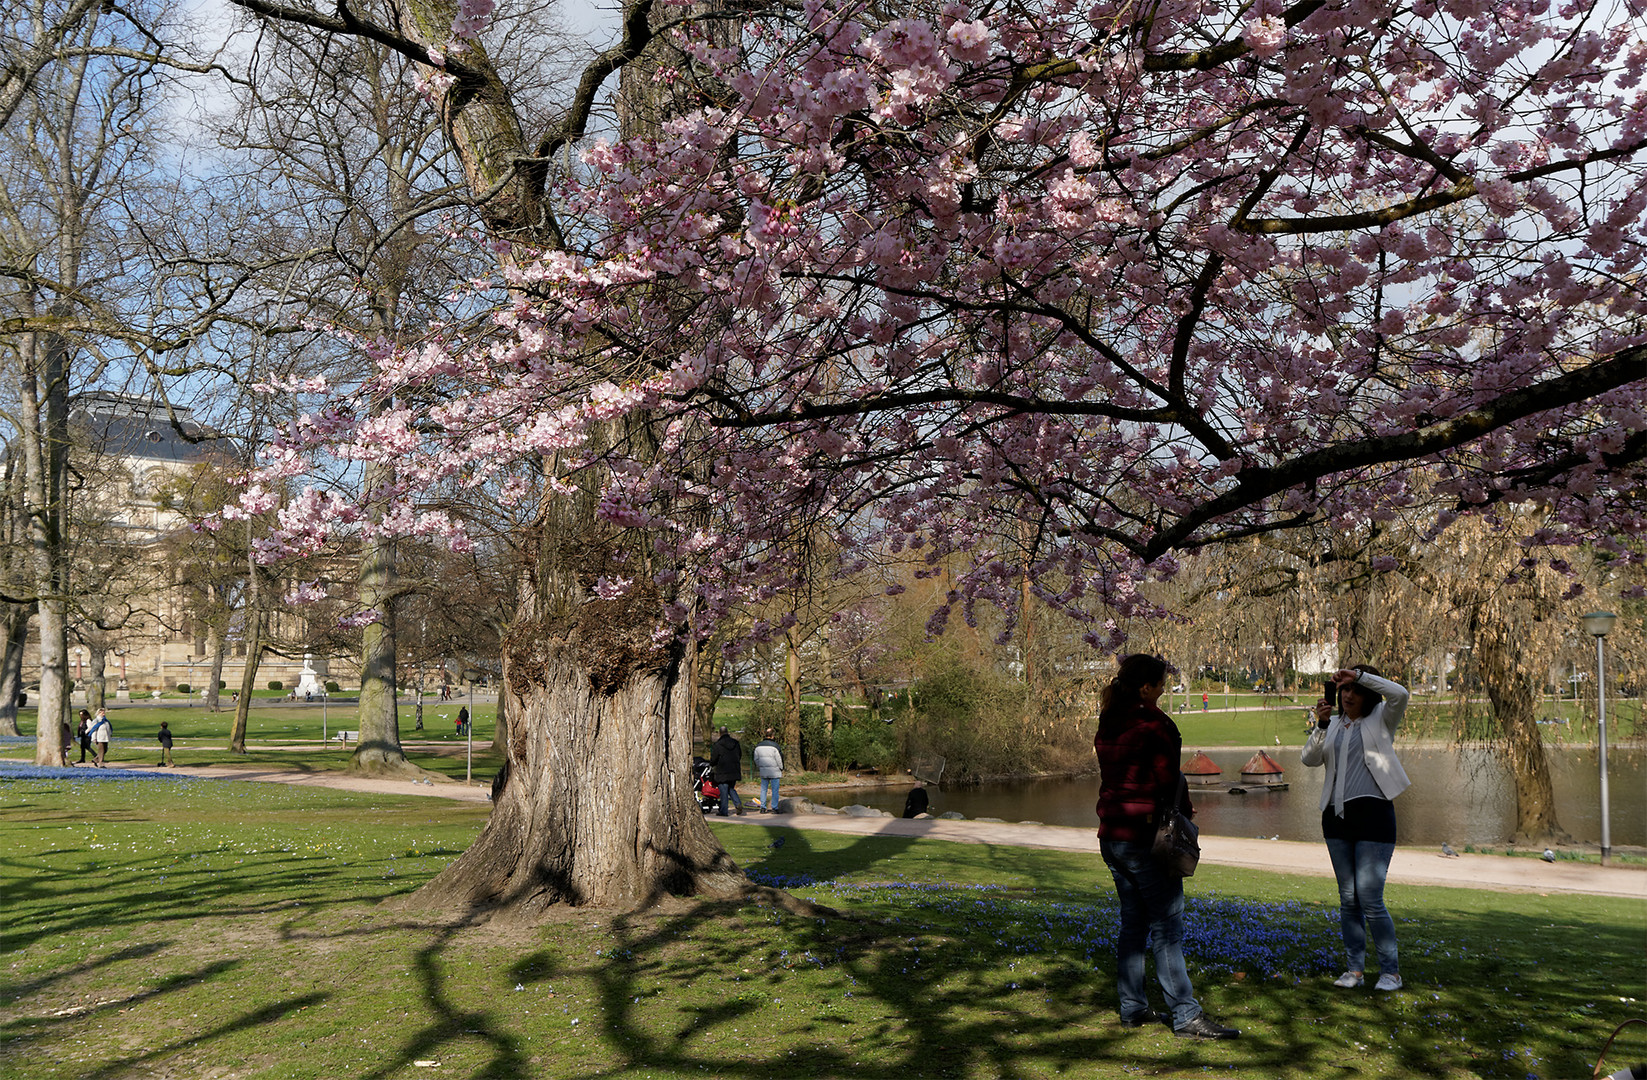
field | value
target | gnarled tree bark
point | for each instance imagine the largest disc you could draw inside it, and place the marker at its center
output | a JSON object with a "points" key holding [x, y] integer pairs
{"points": [[1513, 692]]}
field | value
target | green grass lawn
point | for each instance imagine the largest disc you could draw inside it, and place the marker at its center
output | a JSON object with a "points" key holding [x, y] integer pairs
{"points": [[209, 929]]}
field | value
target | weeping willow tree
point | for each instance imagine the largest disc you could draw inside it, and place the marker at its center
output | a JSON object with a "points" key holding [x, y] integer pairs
{"points": [[1517, 617], [1475, 605]]}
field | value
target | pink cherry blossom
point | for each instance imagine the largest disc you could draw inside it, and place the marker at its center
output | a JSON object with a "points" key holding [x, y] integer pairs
{"points": [[1020, 300]]}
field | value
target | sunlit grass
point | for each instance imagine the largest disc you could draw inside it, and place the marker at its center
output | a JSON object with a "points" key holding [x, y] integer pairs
{"points": [[176, 927]]}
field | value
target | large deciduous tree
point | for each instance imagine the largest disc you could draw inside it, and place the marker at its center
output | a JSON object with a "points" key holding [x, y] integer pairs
{"points": [[1130, 279]]}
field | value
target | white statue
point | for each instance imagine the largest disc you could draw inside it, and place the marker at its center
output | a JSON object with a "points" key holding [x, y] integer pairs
{"points": [[307, 684]]}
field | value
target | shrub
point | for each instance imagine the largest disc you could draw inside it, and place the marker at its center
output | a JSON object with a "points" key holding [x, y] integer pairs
{"points": [[976, 719], [864, 742], [183, 688], [221, 685], [276, 684], [817, 748], [332, 687]]}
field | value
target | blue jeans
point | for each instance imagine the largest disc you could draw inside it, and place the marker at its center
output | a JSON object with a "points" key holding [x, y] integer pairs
{"points": [[1361, 866], [1152, 906], [769, 792], [729, 789]]}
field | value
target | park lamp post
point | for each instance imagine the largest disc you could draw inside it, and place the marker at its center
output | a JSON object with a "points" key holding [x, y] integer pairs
{"points": [[1598, 624], [472, 676]]}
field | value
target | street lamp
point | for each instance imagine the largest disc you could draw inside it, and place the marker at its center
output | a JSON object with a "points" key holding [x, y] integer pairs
{"points": [[472, 675], [1598, 624]]}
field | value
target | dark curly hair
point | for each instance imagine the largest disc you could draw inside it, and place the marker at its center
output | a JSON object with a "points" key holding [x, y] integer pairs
{"points": [[1120, 697], [1372, 697]]}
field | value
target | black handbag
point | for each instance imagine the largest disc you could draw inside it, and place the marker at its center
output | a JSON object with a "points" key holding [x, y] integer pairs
{"points": [[1177, 844]]}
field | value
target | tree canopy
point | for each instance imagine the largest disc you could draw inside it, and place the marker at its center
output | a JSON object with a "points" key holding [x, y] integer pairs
{"points": [[1134, 278]]}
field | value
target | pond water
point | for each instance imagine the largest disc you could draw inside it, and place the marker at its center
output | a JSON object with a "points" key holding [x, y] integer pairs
{"points": [[1458, 796]]}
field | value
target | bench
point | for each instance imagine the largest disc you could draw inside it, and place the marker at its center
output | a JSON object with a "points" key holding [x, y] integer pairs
{"points": [[344, 737]]}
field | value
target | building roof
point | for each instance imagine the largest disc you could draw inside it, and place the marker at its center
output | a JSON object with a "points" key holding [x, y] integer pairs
{"points": [[133, 427]]}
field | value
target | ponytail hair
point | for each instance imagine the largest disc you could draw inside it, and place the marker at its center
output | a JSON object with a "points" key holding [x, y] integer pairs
{"points": [[1136, 671]]}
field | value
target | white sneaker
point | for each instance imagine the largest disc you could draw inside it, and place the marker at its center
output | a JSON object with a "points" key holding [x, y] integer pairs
{"points": [[1388, 981], [1349, 980]]}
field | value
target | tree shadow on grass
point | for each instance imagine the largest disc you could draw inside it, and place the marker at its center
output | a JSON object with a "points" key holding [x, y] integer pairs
{"points": [[29, 1037], [916, 978], [452, 1023], [24, 987], [941, 993], [255, 1020], [791, 857]]}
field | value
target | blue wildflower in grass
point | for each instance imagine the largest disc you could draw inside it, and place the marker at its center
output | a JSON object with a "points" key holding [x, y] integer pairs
{"points": [[1222, 934], [780, 881], [18, 770]]}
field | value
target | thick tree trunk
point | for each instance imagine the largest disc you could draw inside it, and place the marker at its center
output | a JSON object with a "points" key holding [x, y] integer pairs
{"points": [[45, 443], [1513, 691], [597, 806], [254, 657], [215, 647], [97, 687], [54, 690], [502, 723], [792, 689], [248, 681], [14, 626], [379, 751], [708, 665]]}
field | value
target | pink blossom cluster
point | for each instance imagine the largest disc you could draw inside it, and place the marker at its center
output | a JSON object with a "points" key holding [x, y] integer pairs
{"points": [[472, 17], [1026, 295]]}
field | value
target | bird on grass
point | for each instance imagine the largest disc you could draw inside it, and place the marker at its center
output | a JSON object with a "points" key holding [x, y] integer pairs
{"points": [[1548, 856], [1447, 851]]}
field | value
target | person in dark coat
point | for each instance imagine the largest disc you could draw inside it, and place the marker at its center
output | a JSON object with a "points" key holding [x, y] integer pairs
{"points": [[1138, 749], [915, 805], [165, 738], [726, 766], [85, 736]]}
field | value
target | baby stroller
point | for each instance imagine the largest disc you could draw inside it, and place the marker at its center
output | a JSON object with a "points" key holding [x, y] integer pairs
{"points": [[709, 795]]}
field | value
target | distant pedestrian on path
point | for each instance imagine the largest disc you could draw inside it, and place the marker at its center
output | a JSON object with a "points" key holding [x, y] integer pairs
{"points": [[463, 720], [769, 765], [165, 737], [726, 767], [85, 735], [66, 736], [1204, 701], [1356, 744], [1139, 749], [100, 730]]}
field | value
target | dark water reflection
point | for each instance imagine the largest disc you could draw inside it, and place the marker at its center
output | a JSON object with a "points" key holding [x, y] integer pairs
{"points": [[1463, 796]]}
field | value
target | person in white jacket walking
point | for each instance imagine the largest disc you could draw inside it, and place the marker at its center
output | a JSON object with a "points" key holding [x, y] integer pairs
{"points": [[769, 764], [1356, 744]]}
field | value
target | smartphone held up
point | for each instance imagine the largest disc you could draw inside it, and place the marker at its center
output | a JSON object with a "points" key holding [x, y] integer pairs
{"points": [[1329, 691]]}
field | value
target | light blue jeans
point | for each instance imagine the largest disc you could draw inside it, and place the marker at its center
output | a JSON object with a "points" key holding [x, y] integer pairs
{"points": [[769, 792], [1361, 866], [1152, 907], [729, 790]]}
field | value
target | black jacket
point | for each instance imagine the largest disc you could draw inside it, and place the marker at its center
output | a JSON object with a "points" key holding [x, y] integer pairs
{"points": [[726, 760]]}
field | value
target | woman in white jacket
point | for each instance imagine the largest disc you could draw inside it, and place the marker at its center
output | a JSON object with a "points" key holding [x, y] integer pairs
{"points": [[1363, 775]]}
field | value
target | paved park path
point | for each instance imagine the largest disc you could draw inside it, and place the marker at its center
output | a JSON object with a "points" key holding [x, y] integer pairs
{"points": [[1411, 866]]}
